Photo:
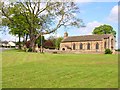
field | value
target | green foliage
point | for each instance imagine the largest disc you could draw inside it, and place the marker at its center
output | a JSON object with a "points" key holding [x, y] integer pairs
{"points": [[40, 41], [104, 29], [118, 50], [29, 18], [29, 50], [17, 42], [108, 51], [56, 41], [16, 21]]}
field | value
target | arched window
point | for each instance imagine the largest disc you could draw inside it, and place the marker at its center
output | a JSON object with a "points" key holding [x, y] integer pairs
{"points": [[88, 46], [74, 46], [111, 43], [97, 45], [81, 46], [105, 44]]}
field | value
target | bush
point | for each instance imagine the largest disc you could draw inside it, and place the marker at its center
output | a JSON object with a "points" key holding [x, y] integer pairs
{"points": [[27, 44], [28, 49], [108, 51], [49, 44]]}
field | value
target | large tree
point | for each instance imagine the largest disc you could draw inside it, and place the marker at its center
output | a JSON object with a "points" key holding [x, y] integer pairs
{"points": [[104, 29], [40, 18], [16, 22]]}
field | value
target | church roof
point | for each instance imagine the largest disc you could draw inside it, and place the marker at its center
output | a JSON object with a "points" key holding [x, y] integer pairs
{"points": [[94, 37]]}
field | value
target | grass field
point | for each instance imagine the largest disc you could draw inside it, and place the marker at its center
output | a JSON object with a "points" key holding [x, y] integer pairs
{"points": [[35, 70]]}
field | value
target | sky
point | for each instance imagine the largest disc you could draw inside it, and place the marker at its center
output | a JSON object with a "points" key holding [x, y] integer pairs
{"points": [[93, 15]]}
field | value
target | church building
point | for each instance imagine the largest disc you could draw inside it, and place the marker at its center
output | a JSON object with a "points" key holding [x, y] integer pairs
{"points": [[88, 43]]}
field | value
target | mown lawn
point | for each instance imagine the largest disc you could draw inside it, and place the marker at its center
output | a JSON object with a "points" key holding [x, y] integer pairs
{"points": [[35, 70]]}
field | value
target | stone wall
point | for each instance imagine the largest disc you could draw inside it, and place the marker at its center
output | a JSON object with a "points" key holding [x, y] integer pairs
{"points": [[84, 46]]}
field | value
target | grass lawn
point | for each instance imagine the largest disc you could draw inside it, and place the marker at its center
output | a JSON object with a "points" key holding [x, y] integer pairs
{"points": [[35, 70]]}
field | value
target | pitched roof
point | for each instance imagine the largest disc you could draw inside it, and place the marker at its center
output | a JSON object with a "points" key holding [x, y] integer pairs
{"points": [[5, 42], [94, 37]]}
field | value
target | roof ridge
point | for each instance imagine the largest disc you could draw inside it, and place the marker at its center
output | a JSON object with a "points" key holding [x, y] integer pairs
{"points": [[91, 35], [86, 37]]}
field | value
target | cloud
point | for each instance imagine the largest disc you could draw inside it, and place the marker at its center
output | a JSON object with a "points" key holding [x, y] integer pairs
{"points": [[89, 27], [52, 34], [113, 16]]}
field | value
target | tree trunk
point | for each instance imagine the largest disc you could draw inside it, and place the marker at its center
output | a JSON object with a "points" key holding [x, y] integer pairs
{"points": [[32, 45], [32, 42]]}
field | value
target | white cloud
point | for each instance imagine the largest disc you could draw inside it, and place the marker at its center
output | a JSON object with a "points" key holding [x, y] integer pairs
{"points": [[89, 27], [113, 16], [52, 34]]}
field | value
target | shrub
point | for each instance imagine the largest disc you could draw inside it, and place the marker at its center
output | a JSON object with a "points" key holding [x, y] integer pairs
{"points": [[27, 44], [49, 44], [108, 51], [28, 49]]}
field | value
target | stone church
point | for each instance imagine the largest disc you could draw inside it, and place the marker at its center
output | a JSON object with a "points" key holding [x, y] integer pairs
{"points": [[88, 43]]}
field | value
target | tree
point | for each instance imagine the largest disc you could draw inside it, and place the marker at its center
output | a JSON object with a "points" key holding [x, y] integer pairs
{"points": [[40, 18], [40, 41], [17, 29], [58, 41], [104, 29], [49, 44]]}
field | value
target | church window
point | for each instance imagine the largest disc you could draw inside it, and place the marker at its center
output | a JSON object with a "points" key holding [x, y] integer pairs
{"points": [[105, 45], [74, 46], [88, 46], [97, 45], [81, 46]]}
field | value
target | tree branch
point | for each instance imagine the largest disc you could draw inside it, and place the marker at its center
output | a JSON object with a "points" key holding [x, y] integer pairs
{"points": [[6, 15], [28, 8], [40, 11], [58, 26], [31, 6], [38, 7]]}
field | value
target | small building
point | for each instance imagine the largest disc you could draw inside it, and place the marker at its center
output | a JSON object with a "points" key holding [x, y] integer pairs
{"points": [[88, 43], [11, 44], [4, 43], [8, 44]]}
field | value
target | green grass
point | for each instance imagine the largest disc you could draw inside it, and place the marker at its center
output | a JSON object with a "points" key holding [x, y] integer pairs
{"points": [[35, 70]]}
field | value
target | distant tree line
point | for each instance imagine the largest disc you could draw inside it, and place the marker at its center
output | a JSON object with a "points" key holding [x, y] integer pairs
{"points": [[50, 43]]}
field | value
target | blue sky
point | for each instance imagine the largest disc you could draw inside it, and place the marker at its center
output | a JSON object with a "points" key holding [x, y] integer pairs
{"points": [[93, 14]]}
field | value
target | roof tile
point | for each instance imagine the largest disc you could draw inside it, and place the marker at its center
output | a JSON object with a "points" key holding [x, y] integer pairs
{"points": [[94, 37]]}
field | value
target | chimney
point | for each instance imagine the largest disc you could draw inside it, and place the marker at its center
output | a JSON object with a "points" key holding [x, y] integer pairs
{"points": [[65, 35]]}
